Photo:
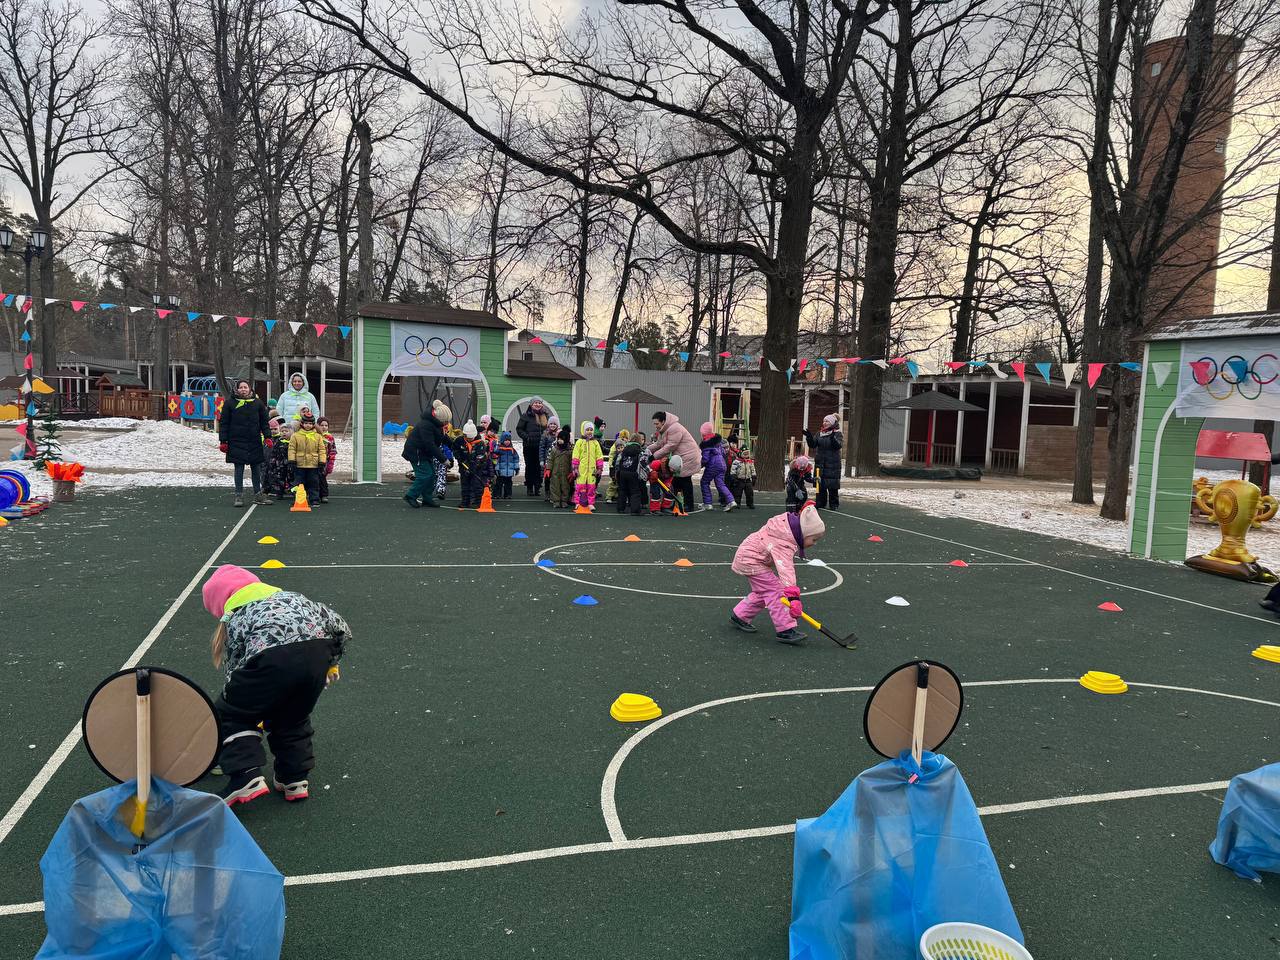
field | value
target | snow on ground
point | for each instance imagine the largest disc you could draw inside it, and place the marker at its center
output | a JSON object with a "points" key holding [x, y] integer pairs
{"points": [[100, 423]]}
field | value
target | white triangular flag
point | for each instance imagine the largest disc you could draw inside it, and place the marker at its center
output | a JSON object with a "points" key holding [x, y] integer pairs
{"points": [[1162, 369], [704, 353], [995, 368], [216, 316], [642, 349], [295, 326], [882, 364], [1069, 372], [134, 309], [926, 367], [580, 343], [772, 367], [20, 301], [49, 300]]}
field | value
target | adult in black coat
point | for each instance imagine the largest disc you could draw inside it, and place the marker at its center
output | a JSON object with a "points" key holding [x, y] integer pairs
{"points": [[422, 449], [825, 450], [530, 428], [243, 432]]}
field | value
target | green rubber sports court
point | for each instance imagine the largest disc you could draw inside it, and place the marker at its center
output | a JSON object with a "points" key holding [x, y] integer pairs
{"points": [[474, 798]]}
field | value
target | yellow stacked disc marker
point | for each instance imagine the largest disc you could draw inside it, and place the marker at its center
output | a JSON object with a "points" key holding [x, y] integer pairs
{"points": [[1268, 652], [1100, 682], [272, 565], [268, 539], [634, 708]]}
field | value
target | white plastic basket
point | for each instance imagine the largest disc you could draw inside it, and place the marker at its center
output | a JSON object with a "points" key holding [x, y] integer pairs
{"points": [[969, 941]]}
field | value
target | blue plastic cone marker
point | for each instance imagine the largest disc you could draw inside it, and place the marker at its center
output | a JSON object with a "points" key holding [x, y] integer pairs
{"points": [[547, 562], [519, 536], [586, 600]]}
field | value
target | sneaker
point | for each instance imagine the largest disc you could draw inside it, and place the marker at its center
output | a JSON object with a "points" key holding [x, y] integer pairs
{"points": [[244, 787], [239, 500], [292, 791], [741, 624], [262, 500], [730, 506], [412, 501], [792, 637], [1267, 605]]}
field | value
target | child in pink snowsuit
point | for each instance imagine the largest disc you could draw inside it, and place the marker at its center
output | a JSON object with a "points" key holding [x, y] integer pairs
{"points": [[767, 559]]}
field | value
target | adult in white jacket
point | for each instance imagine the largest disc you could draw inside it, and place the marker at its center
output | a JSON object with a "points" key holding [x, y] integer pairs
{"points": [[295, 398]]}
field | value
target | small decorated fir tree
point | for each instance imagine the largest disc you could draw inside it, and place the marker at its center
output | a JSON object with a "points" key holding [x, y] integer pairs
{"points": [[48, 447]]}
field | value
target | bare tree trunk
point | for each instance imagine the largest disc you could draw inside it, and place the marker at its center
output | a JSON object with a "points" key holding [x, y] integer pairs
{"points": [[1257, 472], [364, 214], [623, 282], [580, 273], [695, 324]]}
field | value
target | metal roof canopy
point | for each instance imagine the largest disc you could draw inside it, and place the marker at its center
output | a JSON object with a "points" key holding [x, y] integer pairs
{"points": [[635, 395], [936, 401], [1255, 324], [425, 313]]}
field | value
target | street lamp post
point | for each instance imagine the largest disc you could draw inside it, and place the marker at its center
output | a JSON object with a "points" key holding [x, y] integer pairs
{"points": [[162, 376], [34, 249]]}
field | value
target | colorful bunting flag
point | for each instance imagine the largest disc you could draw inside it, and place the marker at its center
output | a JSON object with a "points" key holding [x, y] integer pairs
{"points": [[78, 305], [26, 336], [1095, 371], [882, 364], [215, 317], [1162, 369], [535, 339], [345, 331], [27, 363], [801, 365], [159, 313], [295, 326], [771, 366], [684, 357], [954, 365], [1069, 372], [106, 306], [663, 350], [134, 309], [241, 321], [269, 324], [8, 300], [1130, 365], [559, 343], [621, 347], [320, 328], [1019, 368], [49, 300], [822, 363], [1045, 369], [726, 354], [601, 345], [1200, 370], [192, 315], [913, 368]]}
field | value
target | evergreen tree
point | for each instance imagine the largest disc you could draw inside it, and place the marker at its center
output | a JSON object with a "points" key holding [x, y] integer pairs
{"points": [[48, 447]]}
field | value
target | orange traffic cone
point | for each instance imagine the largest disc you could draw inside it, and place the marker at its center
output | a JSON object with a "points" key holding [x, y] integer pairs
{"points": [[582, 508], [486, 502], [300, 504]]}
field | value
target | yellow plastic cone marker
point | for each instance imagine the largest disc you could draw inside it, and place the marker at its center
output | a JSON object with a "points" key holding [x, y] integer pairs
{"points": [[683, 562], [634, 708], [630, 538], [1100, 682], [3, 522], [268, 540], [1268, 652], [272, 565]]}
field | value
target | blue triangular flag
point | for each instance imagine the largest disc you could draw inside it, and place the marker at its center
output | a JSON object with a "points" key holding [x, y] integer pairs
{"points": [[586, 600], [821, 362], [31, 410], [684, 357], [913, 368], [1044, 370], [26, 336], [1137, 367], [8, 300], [191, 315], [621, 346], [559, 343], [269, 324], [519, 536], [548, 562], [105, 306], [344, 331], [1239, 366], [746, 358]]}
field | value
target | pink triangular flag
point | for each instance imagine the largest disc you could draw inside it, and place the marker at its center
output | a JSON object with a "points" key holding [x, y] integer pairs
{"points": [[161, 313], [320, 328], [724, 354], [241, 321], [1111, 607], [1019, 368], [28, 363], [874, 539], [535, 339], [897, 360], [20, 429], [954, 365], [663, 350], [852, 359], [1200, 370], [600, 345], [801, 365], [78, 305], [1095, 371], [957, 563]]}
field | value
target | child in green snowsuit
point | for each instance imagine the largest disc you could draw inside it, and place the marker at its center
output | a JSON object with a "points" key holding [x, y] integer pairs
{"points": [[560, 473]]}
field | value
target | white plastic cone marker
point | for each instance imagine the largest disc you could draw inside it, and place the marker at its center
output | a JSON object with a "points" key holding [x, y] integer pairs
{"points": [[897, 602], [815, 562]]}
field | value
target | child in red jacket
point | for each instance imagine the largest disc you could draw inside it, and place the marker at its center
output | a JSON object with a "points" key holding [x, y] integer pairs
{"points": [[331, 457]]}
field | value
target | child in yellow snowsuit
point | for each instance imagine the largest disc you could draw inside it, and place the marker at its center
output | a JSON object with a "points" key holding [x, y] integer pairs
{"points": [[588, 462]]}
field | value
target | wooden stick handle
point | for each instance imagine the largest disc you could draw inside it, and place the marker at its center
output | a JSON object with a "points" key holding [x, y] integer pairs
{"points": [[144, 736], [917, 723]]}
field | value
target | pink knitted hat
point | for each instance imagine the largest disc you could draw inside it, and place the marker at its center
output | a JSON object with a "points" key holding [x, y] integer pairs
{"points": [[220, 587], [707, 430]]}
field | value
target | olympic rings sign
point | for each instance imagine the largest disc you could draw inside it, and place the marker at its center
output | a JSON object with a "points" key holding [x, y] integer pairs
{"points": [[1236, 376], [435, 350]]}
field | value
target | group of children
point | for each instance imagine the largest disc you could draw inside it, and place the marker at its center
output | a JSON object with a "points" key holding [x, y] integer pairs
{"points": [[302, 451]]}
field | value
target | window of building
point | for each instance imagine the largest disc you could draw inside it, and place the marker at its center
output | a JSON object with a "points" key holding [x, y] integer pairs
{"points": [[526, 354], [1155, 69], [1220, 145]]}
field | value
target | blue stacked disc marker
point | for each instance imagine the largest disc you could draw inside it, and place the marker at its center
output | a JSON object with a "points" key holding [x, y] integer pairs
{"points": [[547, 562], [586, 600], [518, 535]]}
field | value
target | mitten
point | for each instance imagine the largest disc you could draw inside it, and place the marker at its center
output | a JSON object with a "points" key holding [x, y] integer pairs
{"points": [[793, 597], [222, 447], [575, 466]]}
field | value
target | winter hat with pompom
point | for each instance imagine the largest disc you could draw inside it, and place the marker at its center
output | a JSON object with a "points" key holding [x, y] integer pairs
{"points": [[830, 421], [707, 430], [801, 464], [469, 430]]}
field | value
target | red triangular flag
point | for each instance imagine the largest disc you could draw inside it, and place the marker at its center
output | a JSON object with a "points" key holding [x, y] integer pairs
{"points": [[163, 313], [1019, 368], [957, 563], [800, 367], [320, 328], [663, 350], [897, 360], [1111, 607], [954, 365], [1095, 371], [874, 539], [241, 321], [535, 339], [77, 305], [27, 363], [600, 345], [20, 429], [852, 359]]}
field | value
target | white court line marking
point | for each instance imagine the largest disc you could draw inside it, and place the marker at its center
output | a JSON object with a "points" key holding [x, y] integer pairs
{"points": [[45, 774], [609, 784], [629, 563], [658, 593], [678, 840], [1047, 566]]}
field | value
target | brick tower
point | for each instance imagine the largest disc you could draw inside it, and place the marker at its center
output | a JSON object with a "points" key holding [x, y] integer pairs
{"points": [[1184, 282]]}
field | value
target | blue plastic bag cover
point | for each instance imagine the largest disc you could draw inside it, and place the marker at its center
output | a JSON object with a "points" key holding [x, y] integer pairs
{"points": [[1248, 837], [200, 888], [889, 860]]}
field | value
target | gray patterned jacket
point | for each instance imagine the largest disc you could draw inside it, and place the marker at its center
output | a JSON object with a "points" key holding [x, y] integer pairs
{"points": [[284, 617]]}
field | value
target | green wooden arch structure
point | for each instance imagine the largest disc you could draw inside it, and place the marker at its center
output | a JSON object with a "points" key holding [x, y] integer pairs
{"points": [[1224, 366], [500, 383]]}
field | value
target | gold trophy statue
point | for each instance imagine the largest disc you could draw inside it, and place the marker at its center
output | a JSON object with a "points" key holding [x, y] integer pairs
{"points": [[1235, 505]]}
